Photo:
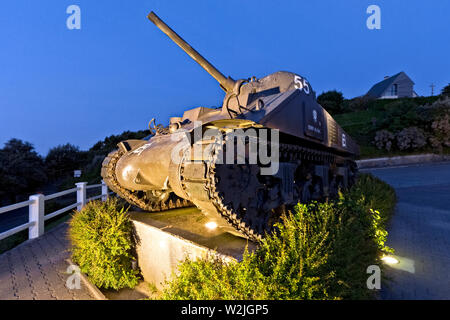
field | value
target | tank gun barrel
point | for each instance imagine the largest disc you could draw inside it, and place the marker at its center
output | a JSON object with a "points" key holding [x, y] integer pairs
{"points": [[226, 83]]}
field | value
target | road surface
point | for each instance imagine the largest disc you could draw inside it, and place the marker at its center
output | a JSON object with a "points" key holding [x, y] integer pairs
{"points": [[419, 231]]}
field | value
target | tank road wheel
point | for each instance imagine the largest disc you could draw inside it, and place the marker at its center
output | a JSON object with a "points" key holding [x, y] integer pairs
{"points": [[334, 186], [304, 182], [317, 189], [244, 196], [353, 173], [306, 191]]}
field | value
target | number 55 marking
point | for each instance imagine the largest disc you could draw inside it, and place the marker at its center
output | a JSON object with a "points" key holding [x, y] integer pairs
{"points": [[301, 84]]}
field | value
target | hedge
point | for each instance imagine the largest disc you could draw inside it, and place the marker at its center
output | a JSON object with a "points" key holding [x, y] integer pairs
{"points": [[103, 243]]}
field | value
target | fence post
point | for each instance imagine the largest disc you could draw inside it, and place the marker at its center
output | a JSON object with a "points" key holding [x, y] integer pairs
{"points": [[81, 194], [104, 191], [36, 213]]}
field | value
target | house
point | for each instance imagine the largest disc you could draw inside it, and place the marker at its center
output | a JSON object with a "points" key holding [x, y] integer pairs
{"points": [[396, 86]]}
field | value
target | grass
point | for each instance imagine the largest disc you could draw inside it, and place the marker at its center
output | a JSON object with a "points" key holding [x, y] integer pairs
{"points": [[357, 118]]}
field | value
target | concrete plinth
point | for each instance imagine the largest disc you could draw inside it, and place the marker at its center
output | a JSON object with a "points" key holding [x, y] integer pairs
{"points": [[166, 238]]}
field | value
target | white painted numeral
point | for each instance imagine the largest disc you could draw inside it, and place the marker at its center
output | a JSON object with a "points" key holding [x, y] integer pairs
{"points": [[301, 84]]}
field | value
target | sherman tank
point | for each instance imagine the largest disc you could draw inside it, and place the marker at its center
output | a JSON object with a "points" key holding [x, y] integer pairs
{"points": [[268, 147]]}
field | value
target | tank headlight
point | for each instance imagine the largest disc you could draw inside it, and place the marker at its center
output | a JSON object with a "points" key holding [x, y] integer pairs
{"points": [[211, 225]]}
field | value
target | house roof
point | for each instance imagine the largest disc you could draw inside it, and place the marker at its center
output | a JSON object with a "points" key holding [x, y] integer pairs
{"points": [[378, 88]]}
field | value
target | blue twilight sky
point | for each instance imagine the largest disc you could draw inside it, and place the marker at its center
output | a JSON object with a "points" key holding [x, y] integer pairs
{"points": [[119, 71]]}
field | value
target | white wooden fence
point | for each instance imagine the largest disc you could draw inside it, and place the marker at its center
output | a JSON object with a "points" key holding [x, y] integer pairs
{"points": [[36, 208]]}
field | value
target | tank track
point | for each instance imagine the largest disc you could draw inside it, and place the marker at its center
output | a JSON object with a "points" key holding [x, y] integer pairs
{"points": [[136, 198], [213, 201]]}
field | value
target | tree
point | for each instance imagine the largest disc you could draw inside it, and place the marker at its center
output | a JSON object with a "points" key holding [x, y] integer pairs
{"points": [[110, 143], [21, 169], [446, 91], [332, 101], [63, 159]]}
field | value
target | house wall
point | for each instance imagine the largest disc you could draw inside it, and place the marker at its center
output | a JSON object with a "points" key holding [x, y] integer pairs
{"points": [[405, 87]]}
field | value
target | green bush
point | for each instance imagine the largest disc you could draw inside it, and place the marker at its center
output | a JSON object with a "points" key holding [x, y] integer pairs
{"points": [[446, 91], [384, 139], [332, 101], [103, 243], [320, 251], [399, 115], [373, 117], [62, 160], [411, 138], [374, 194]]}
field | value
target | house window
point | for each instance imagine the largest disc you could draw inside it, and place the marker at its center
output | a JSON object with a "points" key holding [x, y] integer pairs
{"points": [[394, 90]]}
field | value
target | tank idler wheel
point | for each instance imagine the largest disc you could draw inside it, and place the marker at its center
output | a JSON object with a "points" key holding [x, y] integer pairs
{"points": [[306, 192]]}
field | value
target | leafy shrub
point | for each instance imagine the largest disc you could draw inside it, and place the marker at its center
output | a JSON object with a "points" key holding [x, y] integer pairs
{"points": [[434, 111], [375, 194], [411, 139], [331, 101], [63, 159], [103, 242], [320, 251], [441, 132], [384, 139], [21, 170], [212, 278], [286, 266], [446, 91], [110, 143], [400, 114], [357, 104]]}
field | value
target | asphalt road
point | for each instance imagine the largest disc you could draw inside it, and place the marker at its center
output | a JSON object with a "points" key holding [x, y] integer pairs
{"points": [[419, 231]]}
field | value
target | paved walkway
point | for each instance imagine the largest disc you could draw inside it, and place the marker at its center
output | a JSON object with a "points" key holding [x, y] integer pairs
{"points": [[37, 270], [419, 231]]}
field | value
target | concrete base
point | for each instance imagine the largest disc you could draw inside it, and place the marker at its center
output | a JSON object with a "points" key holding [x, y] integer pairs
{"points": [[166, 238]]}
